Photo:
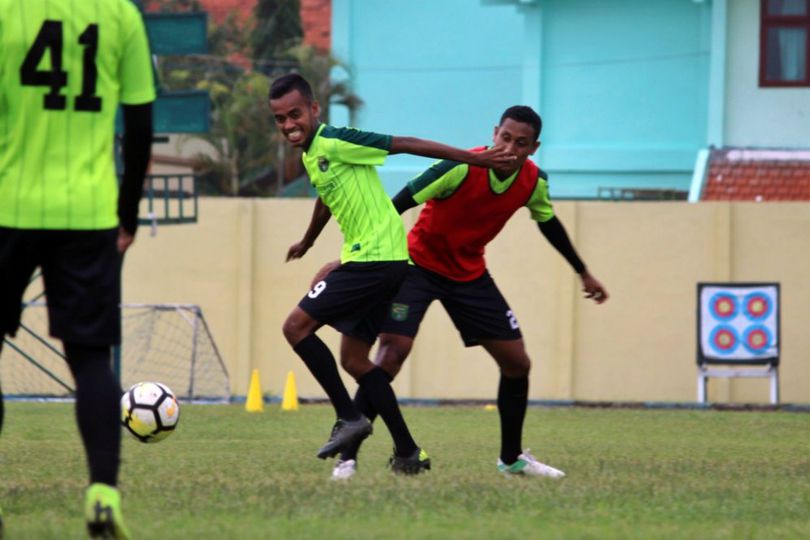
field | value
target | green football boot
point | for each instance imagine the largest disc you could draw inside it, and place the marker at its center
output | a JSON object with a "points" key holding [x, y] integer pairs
{"points": [[102, 511]]}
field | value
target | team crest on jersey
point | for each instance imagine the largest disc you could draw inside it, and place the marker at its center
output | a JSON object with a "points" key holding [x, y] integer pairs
{"points": [[399, 312], [323, 164]]}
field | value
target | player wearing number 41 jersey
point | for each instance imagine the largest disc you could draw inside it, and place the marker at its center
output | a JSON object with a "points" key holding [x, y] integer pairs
{"points": [[65, 65], [465, 208]]}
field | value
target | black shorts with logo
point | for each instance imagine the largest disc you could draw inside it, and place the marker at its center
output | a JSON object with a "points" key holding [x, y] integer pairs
{"points": [[477, 308], [355, 297], [81, 272]]}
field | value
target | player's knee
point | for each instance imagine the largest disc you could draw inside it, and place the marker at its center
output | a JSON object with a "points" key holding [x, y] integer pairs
{"points": [[295, 329], [392, 363], [289, 328], [392, 353], [525, 365], [519, 366], [355, 366]]}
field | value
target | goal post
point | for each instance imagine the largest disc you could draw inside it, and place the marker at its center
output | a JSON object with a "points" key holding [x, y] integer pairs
{"points": [[172, 344], [167, 343]]}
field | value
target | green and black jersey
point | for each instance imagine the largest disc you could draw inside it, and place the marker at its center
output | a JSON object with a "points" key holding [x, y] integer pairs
{"points": [[65, 65], [341, 163]]}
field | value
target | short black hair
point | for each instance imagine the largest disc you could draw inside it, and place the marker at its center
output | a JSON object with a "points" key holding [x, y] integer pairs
{"points": [[289, 82], [526, 115]]}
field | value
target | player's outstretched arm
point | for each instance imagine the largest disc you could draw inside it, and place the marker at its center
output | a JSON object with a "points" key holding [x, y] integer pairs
{"points": [[491, 157], [320, 217], [555, 233], [137, 150]]}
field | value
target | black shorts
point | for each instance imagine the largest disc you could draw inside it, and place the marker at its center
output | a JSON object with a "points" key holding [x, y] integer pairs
{"points": [[477, 308], [354, 298], [81, 271]]}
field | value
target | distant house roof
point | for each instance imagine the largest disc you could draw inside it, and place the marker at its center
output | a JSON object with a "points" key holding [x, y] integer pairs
{"points": [[745, 174], [220, 9], [316, 21], [316, 17]]}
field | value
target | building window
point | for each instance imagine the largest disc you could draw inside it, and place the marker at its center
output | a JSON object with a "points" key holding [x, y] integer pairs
{"points": [[784, 51]]}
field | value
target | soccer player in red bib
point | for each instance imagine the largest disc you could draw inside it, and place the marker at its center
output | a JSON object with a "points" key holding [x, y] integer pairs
{"points": [[465, 208]]}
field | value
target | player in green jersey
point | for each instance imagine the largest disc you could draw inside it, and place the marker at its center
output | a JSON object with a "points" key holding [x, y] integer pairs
{"points": [[65, 65], [341, 164]]}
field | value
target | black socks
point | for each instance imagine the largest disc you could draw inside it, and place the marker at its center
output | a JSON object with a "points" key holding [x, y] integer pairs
{"points": [[98, 409], [513, 397], [366, 409], [375, 387], [321, 363]]}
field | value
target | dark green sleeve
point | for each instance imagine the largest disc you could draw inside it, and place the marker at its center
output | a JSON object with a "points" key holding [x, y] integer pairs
{"points": [[439, 181], [404, 200], [349, 145]]}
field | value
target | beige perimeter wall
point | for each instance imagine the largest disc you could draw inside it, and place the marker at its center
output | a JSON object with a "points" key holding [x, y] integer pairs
{"points": [[639, 346]]}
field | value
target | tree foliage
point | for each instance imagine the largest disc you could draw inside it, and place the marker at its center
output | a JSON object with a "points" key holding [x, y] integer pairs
{"points": [[248, 156], [278, 29]]}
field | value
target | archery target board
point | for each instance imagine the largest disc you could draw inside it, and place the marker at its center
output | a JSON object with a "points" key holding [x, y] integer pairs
{"points": [[738, 323]]}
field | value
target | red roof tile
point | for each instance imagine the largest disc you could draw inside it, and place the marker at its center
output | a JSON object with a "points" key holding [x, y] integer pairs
{"points": [[220, 9], [757, 175], [316, 21]]}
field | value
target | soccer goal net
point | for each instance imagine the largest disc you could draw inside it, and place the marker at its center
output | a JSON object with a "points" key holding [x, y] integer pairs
{"points": [[166, 343]]}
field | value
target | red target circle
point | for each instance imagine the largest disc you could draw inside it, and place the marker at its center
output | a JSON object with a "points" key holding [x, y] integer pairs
{"points": [[757, 339], [757, 306], [724, 306], [725, 340]]}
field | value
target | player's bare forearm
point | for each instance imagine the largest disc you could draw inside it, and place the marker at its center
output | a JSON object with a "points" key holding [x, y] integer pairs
{"points": [[490, 158], [320, 217]]}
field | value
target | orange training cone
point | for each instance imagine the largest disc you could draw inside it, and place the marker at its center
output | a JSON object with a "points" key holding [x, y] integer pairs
{"points": [[254, 402]]}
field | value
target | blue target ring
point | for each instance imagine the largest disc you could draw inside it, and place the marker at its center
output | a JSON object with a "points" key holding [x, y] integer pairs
{"points": [[723, 306], [757, 339], [724, 340], [757, 306]]}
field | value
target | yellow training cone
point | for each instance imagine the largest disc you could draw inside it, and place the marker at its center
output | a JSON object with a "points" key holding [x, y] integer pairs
{"points": [[290, 401], [254, 402]]}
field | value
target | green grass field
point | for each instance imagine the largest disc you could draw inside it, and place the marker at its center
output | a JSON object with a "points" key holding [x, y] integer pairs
{"points": [[229, 474]]}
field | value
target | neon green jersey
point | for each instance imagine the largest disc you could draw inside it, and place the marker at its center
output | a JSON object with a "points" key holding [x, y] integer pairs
{"points": [[64, 67], [341, 163]]}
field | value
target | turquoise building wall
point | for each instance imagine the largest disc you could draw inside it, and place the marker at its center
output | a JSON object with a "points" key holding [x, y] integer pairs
{"points": [[622, 85]]}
